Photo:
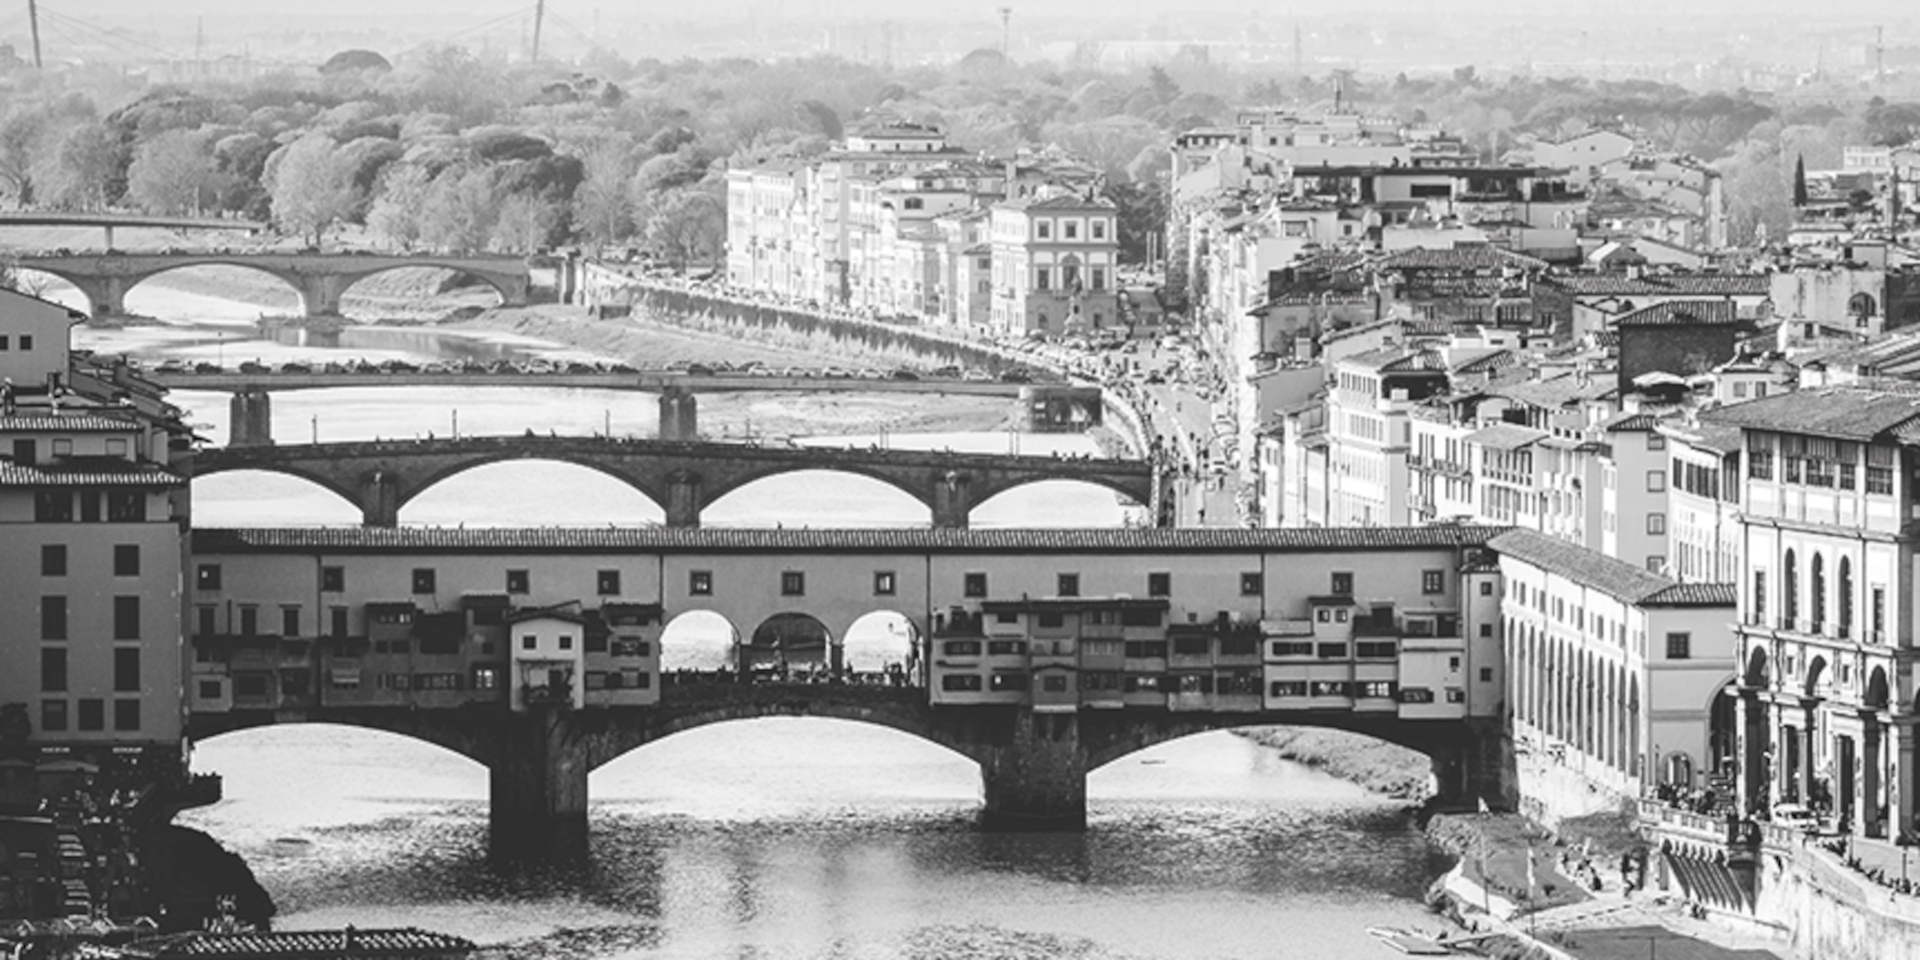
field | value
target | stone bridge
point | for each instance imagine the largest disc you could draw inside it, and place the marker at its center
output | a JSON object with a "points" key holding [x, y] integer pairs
{"points": [[319, 278], [1033, 767], [684, 478]]}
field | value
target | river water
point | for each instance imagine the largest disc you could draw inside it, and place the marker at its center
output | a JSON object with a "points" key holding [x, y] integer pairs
{"points": [[770, 838]]}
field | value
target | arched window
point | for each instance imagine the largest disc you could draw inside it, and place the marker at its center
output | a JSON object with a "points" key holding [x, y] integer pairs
{"points": [[1862, 307], [1790, 591], [1846, 597], [1817, 586]]}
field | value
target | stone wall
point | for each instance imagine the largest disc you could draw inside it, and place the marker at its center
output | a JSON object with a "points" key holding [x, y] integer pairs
{"points": [[1833, 913]]}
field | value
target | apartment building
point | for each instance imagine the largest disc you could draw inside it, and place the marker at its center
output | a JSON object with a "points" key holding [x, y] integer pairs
{"points": [[91, 654]]}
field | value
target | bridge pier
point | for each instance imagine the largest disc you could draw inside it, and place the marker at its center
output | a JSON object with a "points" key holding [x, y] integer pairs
{"points": [[380, 500], [679, 415], [252, 419], [1038, 780], [320, 293], [537, 791], [683, 499], [106, 294], [1475, 765], [952, 500]]}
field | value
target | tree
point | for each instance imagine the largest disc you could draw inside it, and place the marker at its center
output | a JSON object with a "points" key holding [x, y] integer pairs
{"points": [[399, 205], [460, 209], [524, 224], [312, 187], [687, 226], [78, 173], [601, 203], [174, 173]]}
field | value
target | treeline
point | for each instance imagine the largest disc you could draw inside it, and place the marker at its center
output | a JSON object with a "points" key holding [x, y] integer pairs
{"points": [[448, 151]]}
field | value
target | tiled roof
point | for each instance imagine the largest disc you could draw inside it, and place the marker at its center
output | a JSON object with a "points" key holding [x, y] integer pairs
{"points": [[1678, 312], [299, 945], [1505, 436], [100, 472], [78, 423], [1829, 412], [1598, 571], [1557, 392], [710, 540], [1393, 359], [1469, 257], [1484, 360], [1706, 435], [1632, 422], [1683, 285]]}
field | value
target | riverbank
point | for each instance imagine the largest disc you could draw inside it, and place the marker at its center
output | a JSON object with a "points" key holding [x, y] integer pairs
{"points": [[1384, 768]]}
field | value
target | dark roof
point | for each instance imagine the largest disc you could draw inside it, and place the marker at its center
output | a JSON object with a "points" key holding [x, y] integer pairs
{"points": [[1829, 412], [88, 472], [1611, 576], [1505, 436], [298, 945], [1683, 285], [1467, 257], [74, 423], [1556, 392], [1632, 422], [211, 541], [1680, 312]]}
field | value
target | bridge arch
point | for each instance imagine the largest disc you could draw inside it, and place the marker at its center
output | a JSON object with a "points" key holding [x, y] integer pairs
{"points": [[631, 480], [716, 490], [790, 641], [1046, 502], [350, 280], [133, 282], [463, 732], [698, 642], [317, 478], [913, 719]]}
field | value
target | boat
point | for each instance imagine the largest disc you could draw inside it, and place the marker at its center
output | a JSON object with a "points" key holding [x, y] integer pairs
{"points": [[1409, 942]]}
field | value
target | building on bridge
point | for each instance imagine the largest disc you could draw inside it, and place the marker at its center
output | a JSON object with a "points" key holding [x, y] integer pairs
{"points": [[1040, 654], [95, 511], [1618, 675]]}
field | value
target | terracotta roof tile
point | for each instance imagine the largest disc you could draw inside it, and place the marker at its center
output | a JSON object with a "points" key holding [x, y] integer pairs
{"points": [[722, 540], [1683, 285], [1680, 312], [1842, 413], [93, 472], [1614, 577]]}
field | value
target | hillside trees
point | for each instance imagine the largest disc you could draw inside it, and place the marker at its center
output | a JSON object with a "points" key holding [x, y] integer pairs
{"points": [[174, 173], [313, 186]]}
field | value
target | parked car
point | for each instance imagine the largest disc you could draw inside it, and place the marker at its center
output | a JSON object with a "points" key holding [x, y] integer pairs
{"points": [[903, 373], [1796, 817]]}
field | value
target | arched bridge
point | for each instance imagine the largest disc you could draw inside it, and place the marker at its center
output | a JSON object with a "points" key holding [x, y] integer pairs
{"points": [[319, 278], [683, 477], [1033, 767]]}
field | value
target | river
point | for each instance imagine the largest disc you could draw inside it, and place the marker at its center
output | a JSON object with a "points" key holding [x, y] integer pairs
{"points": [[765, 839]]}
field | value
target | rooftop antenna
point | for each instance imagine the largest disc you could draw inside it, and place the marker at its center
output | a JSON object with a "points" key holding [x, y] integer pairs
{"points": [[33, 19], [1006, 30], [539, 14]]}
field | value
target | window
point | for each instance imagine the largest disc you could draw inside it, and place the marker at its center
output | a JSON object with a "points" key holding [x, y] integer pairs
{"points": [[529, 641], [1433, 581], [1656, 442], [1486, 588], [53, 715], [1376, 649], [1330, 651], [884, 583], [1486, 674], [1878, 613], [566, 641], [207, 577], [53, 560], [1656, 523], [1099, 229], [126, 560], [53, 618], [1042, 278], [1053, 683], [975, 585], [126, 506], [53, 669], [424, 580], [518, 581], [1252, 584], [793, 583], [126, 618], [249, 621], [26, 341], [700, 583], [1043, 229], [289, 621], [1656, 481], [1072, 230], [126, 670], [126, 714], [607, 583], [63, 448], [93, 714], [337, 621], [332, 579], [49, 506], [1069, 585], [960, 682], [1342, 584], [1679, 646], [1008, 681]]}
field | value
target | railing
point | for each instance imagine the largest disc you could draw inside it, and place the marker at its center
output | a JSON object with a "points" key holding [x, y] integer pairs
{"points": [[546, 694]]}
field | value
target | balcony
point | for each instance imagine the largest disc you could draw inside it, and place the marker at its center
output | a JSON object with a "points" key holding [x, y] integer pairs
{"points": [[546, 695]]}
